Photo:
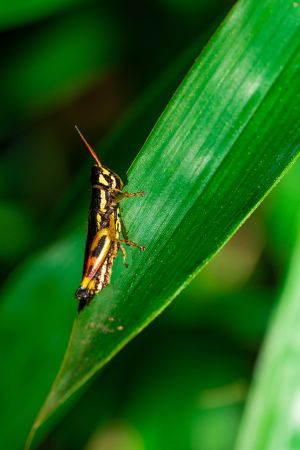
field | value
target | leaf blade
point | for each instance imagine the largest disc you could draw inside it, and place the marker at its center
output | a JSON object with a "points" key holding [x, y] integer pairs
{"points": [[272, 409]]}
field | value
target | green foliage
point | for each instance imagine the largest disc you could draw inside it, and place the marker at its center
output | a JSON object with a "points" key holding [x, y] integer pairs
{"points": [[273, 406], [19, 12], [30, 85], [226, 137]]}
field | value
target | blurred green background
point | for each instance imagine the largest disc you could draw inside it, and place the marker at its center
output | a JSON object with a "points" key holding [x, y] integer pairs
{"points": [[98, 65]]}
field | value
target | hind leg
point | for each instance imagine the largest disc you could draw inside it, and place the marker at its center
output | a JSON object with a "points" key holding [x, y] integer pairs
{"points": [[126, 240]]}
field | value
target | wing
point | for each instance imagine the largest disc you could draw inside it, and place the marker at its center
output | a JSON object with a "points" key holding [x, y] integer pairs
{"points": [[102, 277], [97, 251], [97, 254], [95, 261]]}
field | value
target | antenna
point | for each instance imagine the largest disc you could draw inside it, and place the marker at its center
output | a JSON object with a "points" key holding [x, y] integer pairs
{"points": [[93, 153]]}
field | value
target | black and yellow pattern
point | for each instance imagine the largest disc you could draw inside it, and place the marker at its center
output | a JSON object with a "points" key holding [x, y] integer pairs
{"points": [[104, 230]]}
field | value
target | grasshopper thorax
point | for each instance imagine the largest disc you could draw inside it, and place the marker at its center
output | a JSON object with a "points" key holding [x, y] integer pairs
{"points": [[105, 178]]}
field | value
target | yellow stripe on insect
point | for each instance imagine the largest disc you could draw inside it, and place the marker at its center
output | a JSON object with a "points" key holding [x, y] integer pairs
{"points": [[98, 220], [103, 180], [113, 183], [103, 201]]}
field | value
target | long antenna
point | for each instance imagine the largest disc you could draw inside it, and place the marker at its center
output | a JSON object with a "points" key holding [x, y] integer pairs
{"points": [[93, 153]]}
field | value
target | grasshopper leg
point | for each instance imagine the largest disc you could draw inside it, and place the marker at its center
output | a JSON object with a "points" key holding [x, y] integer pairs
{"points": [[124, 255], [120, 195], [126, 240]]}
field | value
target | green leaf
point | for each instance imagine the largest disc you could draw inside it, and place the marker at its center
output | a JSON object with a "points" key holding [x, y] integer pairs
{"points": [[33, 333], [18, 13], [282, 213], [56, 63], [204, 411], [273, 409], [224, 140], [16, 226]]}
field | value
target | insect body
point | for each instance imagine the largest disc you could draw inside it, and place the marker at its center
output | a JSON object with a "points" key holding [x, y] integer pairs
{"points": [[104, 228]]}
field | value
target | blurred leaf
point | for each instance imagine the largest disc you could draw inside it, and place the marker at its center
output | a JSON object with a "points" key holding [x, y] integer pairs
{"points": [[195, 380], [18, 12], [272, 415], [32, 350], [16, 231], [57, 62], [282, 214], [115, 435], [226, 137], [242, 315]]}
